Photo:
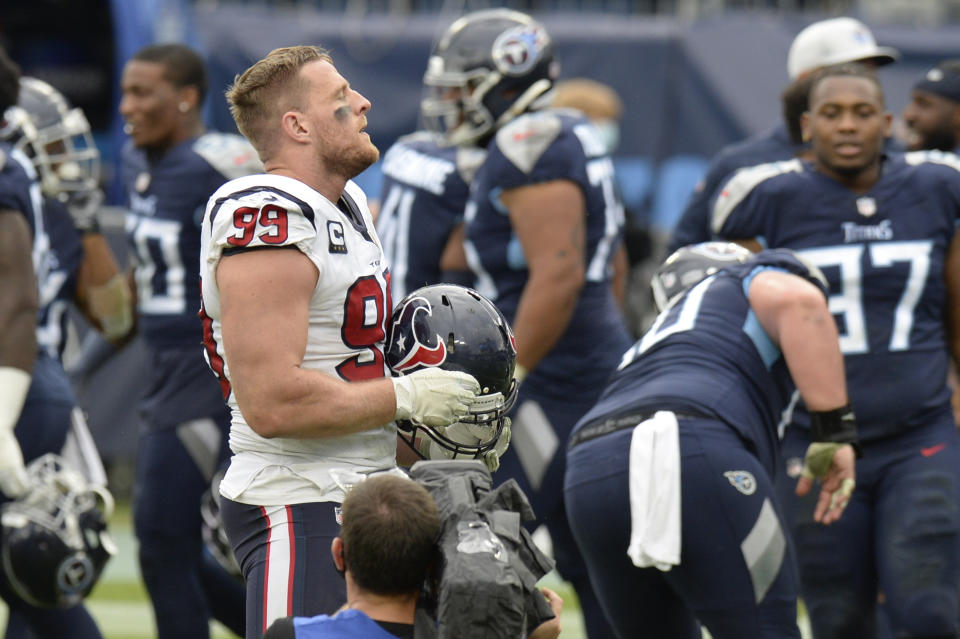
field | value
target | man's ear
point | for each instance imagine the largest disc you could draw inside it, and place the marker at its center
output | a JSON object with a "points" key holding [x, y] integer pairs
{"points": [[336, 550], [189, 98], [294, 126]]}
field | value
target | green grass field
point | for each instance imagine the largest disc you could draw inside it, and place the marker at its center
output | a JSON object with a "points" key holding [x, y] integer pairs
{"points": [[119, 602]]}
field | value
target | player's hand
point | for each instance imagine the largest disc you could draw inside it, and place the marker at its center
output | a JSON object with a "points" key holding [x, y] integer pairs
{"points": [[434, 397], [13, 475], [85, 209], [550, 629], [469, 435], [833, 464]]}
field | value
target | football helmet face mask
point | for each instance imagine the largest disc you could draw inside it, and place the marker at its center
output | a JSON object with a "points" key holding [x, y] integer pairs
{"points": [[455, 328], [56, 138], [689, 264], [488, 67], [55, 541]]}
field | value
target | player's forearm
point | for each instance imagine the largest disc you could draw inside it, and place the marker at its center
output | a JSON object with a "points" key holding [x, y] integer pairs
{"points": [[103, 293], [546, 306], [18, 294], [302, 403], [810, 345]]}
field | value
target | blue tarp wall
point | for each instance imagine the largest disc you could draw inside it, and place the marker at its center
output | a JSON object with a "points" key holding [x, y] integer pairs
{"points": [[688, 88]]}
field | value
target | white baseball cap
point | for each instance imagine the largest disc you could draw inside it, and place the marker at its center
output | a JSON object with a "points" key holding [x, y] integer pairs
{"points": [[835, 41]]}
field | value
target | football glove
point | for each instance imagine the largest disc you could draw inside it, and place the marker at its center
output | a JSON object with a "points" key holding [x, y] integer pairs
{"points": [[14, 384], [468, 435], [434, 397], [13, 474], [85, 210]]}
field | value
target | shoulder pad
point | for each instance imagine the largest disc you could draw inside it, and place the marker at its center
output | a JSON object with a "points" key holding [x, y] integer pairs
{"points": [[469, 159], [525, 139], [915, 158], [742, 183], [417, 136], [228, 153]]}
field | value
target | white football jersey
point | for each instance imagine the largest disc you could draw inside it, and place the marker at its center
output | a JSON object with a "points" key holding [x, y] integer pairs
{"points": [[349, 312]]}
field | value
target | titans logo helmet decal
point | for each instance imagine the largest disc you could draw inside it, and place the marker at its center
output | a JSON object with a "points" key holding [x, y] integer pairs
{"points": [[518, 50], [407, 349]]}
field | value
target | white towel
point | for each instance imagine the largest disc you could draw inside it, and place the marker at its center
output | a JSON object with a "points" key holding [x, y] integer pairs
{"points": [[655, 493]]}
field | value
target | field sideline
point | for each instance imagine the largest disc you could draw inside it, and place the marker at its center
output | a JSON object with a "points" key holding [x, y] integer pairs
{"points": [[119, 602]]}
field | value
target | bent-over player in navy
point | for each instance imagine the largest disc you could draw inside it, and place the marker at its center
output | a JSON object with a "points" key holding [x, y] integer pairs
{"points": [[882, 229], [695, 404], [541, 229]]}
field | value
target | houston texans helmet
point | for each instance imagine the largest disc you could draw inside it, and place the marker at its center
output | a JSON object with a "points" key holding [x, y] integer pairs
{"points": [[455, 328], [487, 68], [56, 138], [689, 264], [55, 542]]}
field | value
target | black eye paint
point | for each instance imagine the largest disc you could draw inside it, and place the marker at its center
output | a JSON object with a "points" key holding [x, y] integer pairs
{"points": [[342, 113]]}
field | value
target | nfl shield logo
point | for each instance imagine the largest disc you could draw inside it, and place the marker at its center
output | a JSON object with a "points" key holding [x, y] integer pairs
{"points": [[866, 206], [338, 515]]}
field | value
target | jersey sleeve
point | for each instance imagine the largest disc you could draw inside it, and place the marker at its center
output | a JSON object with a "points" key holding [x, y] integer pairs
{"points": [[739, 209], [260, 218], [532, 149], [230, 154]]}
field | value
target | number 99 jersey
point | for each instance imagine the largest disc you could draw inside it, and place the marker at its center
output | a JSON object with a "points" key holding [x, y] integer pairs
{"points": [[349, 310]]}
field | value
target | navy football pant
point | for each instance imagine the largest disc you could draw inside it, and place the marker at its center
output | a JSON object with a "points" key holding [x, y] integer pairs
{"points": [[536, 459], [284, 553], [737, 573], [186, 586], [900, 534]]}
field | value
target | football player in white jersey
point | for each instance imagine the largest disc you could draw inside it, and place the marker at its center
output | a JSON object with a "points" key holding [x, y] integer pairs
{"points": [[295, 306]]}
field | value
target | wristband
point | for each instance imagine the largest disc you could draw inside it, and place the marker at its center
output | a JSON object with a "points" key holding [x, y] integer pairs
{"points": [[838, 426], [14, 384]]}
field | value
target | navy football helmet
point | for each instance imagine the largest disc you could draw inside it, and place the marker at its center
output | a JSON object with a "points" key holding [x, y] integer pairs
{"points": [[455, 328], [689, 264], [55, 542], [488, 67], [56, 138]]}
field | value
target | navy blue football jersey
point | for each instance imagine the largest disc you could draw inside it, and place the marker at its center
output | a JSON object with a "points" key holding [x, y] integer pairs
{"points": [[708, 354], [425, 189], [19, 190], [768, 146], [883, 253], [167, 197], [59, 261], [555, 144], [56, 250]]}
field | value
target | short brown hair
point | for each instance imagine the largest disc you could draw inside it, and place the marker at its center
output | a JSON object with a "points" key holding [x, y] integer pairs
{"points": [[390, 530], [253, 95]]}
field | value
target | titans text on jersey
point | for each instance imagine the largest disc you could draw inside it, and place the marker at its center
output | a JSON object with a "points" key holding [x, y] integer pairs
{"points": [[883, 253]]}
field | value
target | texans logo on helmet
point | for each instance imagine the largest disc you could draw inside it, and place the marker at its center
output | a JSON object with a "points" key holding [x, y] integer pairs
{"points": [[517, 50], [415, 354]]}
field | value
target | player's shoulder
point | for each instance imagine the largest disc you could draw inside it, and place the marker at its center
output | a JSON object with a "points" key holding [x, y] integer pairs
{"points": [[230, 154], [768, 178], [933, 163], [788, 261], [759, 149], [526, 139], [421, 161]]}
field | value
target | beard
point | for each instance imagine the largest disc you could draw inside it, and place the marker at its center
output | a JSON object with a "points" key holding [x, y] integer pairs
{"points": [[357, 159], [940, 139]]}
